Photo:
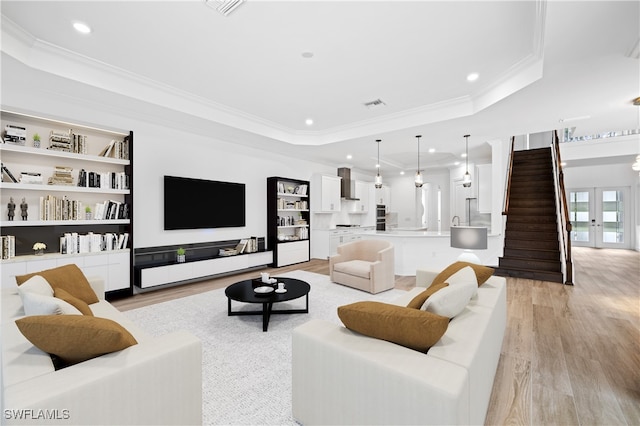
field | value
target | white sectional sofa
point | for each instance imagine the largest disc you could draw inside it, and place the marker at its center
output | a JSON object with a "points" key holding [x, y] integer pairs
{"points": [[343, 377], [157, 381]]}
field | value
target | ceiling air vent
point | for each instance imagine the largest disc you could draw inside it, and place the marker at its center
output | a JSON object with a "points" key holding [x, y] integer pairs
{"points": [[374, 104]]}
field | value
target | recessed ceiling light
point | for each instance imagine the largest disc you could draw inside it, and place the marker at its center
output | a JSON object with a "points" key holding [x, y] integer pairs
{"points": [[81, 27], [473, 76], [307, 55], [432, 150], [401, 172], [308, 121], [463, 155], [457, 163], [349, 156]]}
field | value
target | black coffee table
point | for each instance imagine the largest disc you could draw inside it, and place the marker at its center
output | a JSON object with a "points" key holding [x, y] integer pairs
{"points": [[243, 292]]}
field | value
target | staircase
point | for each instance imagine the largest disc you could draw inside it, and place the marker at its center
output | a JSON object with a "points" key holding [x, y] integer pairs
{"points": [[531, 245]]}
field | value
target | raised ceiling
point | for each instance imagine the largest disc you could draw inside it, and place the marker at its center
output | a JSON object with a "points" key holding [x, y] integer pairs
{"points": [[538, 62]]}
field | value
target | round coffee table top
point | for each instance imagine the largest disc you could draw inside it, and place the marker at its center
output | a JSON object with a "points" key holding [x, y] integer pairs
{"points": [[243, 291]]}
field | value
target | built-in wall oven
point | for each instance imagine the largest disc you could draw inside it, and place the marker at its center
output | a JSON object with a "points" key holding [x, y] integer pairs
{"points": [[381, 218]]}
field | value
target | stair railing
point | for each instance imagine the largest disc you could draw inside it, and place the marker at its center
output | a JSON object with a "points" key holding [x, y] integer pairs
{"points": [[507, 194], [562, 212]]}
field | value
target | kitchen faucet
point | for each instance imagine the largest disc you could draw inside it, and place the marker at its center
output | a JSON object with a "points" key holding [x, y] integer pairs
{"points": [[453, 221]]}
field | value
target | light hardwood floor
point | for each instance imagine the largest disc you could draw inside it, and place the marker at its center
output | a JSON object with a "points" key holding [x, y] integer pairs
{"points": [[570, 355]]}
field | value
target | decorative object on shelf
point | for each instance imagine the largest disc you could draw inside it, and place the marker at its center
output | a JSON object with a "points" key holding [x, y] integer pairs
{"points": [[181, 255], [418, 180], [469, 238], [227, 252], [23, 209], [11, 207], [36, 140], [466, 180], [87, 213], [39, 248], [378, 183]]}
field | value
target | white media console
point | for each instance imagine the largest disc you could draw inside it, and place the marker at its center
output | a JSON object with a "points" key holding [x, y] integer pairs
{"points": [[151, 276]]}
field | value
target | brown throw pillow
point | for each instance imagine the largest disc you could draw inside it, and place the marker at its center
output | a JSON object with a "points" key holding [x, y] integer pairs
{"points": [[67, 277], [72, 300], [75, 338], [412, 328], [483, 273], [418, 301]]}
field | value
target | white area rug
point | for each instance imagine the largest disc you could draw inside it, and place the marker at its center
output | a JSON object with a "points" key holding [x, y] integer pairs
{"points": [[246, 373]]}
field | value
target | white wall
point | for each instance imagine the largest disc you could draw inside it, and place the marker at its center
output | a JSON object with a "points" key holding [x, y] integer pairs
{"points": [[163, 151]]}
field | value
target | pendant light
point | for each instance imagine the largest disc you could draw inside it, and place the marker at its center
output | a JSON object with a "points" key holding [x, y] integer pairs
{"points": [[418, 180], [378, 177], [466, 180]]}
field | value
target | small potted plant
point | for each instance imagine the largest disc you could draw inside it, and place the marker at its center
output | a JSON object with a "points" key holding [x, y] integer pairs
{"points": [[39, 248], [181, 255], [36, 140], [87, 213]]}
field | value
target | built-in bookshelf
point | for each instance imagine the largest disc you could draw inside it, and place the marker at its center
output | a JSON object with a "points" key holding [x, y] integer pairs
{"points": [[288, 220], [71, 188]]}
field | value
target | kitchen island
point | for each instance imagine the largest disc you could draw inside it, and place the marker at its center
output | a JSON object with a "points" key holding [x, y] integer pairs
{"points": [[419, 249]]}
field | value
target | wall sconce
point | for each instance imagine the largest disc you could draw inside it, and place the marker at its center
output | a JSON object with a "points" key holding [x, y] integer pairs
{"points": [[418, 180], [466, 180]]}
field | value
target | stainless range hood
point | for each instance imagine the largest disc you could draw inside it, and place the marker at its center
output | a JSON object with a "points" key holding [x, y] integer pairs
{"points": [[347, 187]]}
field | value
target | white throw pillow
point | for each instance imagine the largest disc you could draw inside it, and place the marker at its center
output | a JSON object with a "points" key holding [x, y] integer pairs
{"points": [[464, 276], [451, 300], [36, 284], [37, 304]]}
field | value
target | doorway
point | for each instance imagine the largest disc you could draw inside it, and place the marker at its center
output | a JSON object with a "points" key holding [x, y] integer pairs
{"points": [[599, 217]]}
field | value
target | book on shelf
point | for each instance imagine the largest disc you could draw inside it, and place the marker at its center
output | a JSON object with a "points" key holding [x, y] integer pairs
{"points": [[8, 246], [60, 208], [15, 134], [9, 174], [74, 243], [61, 176], [31, 178], [116, 149], [300, 189], [109, 180], [242, 245], [110, 210]]}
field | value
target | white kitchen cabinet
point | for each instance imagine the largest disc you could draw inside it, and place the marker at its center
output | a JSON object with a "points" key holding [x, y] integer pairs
{"points": [[326, 241], [326, 194], [383, 196], [362, 194]]}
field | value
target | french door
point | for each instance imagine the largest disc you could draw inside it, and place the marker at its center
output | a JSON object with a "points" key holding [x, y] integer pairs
{"points": [[599, 217]]}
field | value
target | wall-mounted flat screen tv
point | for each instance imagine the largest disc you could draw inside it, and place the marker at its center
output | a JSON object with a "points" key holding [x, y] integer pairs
{"points": [[198, 203]]}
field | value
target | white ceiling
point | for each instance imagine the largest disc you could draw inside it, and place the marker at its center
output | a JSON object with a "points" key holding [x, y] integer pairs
{"points": [[538, 62]]}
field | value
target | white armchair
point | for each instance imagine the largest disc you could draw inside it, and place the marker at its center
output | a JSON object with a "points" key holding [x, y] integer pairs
{"points": [[365, 264]]}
